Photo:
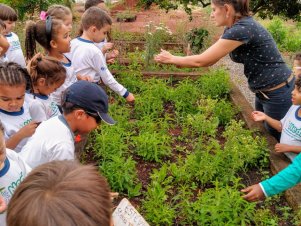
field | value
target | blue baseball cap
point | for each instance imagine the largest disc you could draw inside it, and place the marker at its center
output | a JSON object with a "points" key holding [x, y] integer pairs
{"points": [[91, 97]]}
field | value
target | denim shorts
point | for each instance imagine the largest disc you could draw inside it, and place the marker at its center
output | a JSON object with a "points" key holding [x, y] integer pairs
{"points": [[276, 105]]}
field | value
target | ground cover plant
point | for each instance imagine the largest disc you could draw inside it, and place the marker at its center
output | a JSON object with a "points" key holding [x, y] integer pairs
{"points": [[181, 154]]}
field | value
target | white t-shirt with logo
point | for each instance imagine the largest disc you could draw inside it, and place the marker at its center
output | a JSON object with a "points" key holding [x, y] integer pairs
{"points": [[42, 107], [53, 140], [11, 175], [14, 52], [87, 59], [14, 121], [291, 129], [70, 79]]}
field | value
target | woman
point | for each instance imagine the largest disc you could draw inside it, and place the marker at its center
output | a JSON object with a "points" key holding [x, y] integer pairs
{"points": [[247, 42]]}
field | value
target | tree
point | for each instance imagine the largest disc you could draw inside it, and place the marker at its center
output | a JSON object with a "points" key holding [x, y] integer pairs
{"points": [[289, 9]]}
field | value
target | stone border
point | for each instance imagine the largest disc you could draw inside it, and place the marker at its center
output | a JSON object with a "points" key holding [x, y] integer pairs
{"points": [[278, 161]]}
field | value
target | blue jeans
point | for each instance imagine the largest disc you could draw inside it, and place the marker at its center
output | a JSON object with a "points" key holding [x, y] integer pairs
{"points": [[280, 100]]}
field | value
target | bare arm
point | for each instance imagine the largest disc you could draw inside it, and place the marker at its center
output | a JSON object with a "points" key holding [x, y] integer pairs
{"points": [[260, 116], [4, 45], [24, 132], [209, 57]]}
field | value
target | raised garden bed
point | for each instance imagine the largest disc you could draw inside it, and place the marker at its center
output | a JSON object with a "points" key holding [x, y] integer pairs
{"points": [[179, 152]]}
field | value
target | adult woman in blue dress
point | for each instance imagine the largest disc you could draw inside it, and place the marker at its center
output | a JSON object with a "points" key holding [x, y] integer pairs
{"points": [[249, 43]]}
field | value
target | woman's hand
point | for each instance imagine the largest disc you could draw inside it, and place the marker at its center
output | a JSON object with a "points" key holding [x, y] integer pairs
{"points": [[2, 204], [164, 57], [254, 193]]}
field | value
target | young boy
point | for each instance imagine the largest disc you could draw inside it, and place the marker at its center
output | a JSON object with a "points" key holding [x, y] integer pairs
{"points": [[9, 17], [84, 105], [87, 59], [290, 144], [12, 171], [61, 193], [297, 64], [104, 45]]}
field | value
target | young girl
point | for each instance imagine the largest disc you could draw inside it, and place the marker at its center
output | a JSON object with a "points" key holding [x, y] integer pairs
{"points": [[54, 37], [60, 12], [14, 111], [47, 74]]}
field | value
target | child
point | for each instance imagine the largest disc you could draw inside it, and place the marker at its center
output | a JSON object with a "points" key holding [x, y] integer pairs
{"points": [[87, 58], [61, 193], [84, 105], [4, 45], [104, 45], [12, 171], [60, 12], [56, 41], [14, 111], [47, 74], [290, 144], [290, 140], [297, 64], [14, 53]]}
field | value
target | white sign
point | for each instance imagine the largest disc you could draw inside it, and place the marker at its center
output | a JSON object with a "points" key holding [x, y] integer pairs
{"points": [[126, 215]]}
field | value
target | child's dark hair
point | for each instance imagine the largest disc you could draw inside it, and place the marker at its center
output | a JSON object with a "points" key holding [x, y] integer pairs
{"points": [[37, 32], [90, 3], [7, 13], [12, 74], [61, 193], [2, 25], [45, 67], [298, 82], [58, 11], [95, 16]]}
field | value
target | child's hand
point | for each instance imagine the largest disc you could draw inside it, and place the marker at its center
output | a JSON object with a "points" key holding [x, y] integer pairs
{"points": [[281, 148], [2, 204], [258, 116], [84, 77], [254, 193], [107, 46], [130, 98], [110, 57], [28, 130]]}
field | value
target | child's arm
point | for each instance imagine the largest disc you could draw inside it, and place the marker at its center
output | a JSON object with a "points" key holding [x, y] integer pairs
{"points": [[260, 116], [287, 148], [2, 204], [109, 80], [4, 45], [24, 132], [285, 179]]}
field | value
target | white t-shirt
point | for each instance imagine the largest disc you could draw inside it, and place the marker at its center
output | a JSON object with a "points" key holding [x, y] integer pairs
{"points": [[11, 175], [53, 140], [14, 121], [101, 44], [3, 59], [14, 52], [87, 59], [70, 79], [291, 129], [42, 107]]}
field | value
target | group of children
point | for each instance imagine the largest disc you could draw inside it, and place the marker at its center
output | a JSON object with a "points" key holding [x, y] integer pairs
{"points": [[46, 102]]}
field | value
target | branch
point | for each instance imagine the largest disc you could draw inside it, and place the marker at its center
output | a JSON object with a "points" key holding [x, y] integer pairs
{"points": [[259, 5], [204, 4]]}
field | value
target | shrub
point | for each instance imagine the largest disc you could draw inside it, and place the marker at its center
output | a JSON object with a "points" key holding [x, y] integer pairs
{"points": [[278, 31], [196, 38]]}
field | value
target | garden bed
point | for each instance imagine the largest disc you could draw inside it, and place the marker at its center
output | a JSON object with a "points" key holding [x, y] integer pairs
{"points": [[180, 152]]}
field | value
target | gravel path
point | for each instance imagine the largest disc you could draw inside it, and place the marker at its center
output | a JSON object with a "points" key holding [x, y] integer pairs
{"points": [[237, 76]]}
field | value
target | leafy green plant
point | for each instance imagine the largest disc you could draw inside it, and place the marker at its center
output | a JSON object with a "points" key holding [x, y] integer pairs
{"points": [[196, 38], [278, 31], [224, 111], [215, 84], [152, 145], [121, 174], [154, 38]]}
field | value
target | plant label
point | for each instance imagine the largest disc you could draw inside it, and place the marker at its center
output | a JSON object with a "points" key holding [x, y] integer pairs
{"points": [[126, 215]]}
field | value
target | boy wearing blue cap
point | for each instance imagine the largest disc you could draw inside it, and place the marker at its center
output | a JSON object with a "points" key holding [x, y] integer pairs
{"points": [[84, 106]]}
